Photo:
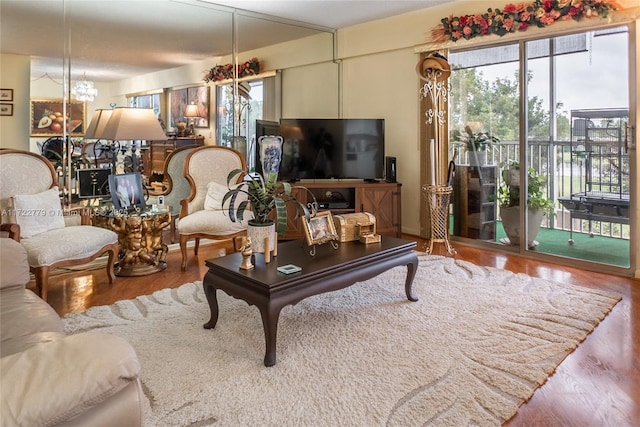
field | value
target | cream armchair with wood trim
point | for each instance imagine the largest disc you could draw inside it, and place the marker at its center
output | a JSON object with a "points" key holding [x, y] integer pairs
{"points": [[177, 185], [29, 197], [206, 169]]}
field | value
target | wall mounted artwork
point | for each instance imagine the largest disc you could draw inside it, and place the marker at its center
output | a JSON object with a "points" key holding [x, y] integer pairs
{"points": [[47, 117]]}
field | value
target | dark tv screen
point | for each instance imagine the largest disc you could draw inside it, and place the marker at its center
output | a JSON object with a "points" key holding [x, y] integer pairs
{"points": [[332, 148], [267, 127]]}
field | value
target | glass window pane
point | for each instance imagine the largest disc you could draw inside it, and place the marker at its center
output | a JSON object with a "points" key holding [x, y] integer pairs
{"points": [[484, 125]]}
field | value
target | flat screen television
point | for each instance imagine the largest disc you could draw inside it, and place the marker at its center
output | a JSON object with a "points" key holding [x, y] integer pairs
{"points": [[331, 148], [93, 183], [127, 193]]}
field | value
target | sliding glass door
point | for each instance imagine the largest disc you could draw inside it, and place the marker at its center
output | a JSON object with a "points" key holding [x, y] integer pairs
{"points": [[484, 139], [584, 81], [560, 110]]}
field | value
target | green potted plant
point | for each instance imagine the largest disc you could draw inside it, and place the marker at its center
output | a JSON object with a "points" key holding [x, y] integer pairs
{"points": [[262, 195], [509, 200], [267, 199], [476, 144]]}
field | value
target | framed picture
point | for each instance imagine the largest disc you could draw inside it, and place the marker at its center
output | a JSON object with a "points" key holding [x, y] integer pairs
{"points": [[180, 98], [127, 192], [320, 229], [199, 95], [47, 120], [6, 109], [6, 95], [178, 106]]}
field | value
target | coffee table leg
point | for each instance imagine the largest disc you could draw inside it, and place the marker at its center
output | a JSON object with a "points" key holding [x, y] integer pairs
{"points": [[212, 299], [412, 266], [270, 316]]}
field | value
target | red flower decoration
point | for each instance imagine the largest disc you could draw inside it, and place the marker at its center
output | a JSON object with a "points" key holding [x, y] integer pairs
{"points": [[511, 18], [225, 72]]}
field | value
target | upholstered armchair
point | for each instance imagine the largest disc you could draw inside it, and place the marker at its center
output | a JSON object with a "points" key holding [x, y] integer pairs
{"points": [[177, 185], [29, 197], [206, 169]]}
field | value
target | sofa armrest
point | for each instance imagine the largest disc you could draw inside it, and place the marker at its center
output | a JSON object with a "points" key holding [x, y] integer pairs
{"points": [[14, 264], [59, 380]]}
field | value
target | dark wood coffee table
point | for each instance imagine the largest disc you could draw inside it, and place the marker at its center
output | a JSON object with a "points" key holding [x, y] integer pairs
{"points": [[330, 270]]}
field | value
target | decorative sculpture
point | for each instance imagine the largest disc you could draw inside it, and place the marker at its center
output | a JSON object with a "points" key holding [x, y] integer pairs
{"points": [[246, 252]]}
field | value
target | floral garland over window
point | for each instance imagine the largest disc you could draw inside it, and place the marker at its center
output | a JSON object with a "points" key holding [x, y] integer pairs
{"points": [[225, 72], [512, 18]]}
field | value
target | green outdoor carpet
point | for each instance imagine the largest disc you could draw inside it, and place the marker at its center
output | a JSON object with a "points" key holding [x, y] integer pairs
{"points": [[605, 250]]}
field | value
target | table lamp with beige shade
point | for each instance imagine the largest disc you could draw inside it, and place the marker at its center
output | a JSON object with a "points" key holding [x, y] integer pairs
{"points": [[133, 124], [192, 113]]}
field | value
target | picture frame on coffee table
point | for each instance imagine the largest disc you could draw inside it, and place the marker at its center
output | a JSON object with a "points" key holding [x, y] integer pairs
{"points": [[320, 229]]}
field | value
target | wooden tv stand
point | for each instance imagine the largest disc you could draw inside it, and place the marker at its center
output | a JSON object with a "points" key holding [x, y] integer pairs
{"points": [[382, 199]]}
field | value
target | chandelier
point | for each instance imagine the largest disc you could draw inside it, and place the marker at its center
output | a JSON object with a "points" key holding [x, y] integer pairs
{"points": [[83, 90]]}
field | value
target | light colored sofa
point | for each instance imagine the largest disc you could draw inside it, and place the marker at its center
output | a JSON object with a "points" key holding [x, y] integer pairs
{"points": [[49, 378]]}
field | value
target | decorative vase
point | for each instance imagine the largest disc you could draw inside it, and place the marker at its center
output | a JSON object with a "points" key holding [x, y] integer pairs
{"points": [[270, 153], [478, 158], [182, 128], [511, 224], [258, 232]]}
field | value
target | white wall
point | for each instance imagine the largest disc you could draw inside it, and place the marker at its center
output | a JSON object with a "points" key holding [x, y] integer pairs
{"points": [[383, 86], [14, 74], [379, 80], [310, 91]]}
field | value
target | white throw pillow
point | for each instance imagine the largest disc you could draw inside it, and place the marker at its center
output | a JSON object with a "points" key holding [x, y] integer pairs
{"points": [[215, 194], [37, 213]]}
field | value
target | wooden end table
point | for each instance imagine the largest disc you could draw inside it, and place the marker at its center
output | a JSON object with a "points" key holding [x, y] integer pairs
{"points": [[329, 270]]}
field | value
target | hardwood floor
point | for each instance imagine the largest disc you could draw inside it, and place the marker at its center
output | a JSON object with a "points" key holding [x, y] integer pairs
{"points": [[598, 384]]}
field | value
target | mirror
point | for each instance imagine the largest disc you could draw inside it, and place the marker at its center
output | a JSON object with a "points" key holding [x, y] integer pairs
{"points": [[132, 48]]}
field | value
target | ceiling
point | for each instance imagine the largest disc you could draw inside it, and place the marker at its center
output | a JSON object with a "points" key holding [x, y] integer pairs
{"points": [[115, 39]]}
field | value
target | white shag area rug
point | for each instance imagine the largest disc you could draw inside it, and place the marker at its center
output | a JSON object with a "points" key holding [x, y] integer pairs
{"points": [[473, 348]]}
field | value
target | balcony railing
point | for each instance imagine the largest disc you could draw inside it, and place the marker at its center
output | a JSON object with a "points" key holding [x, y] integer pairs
{"points": [[565, 169]]}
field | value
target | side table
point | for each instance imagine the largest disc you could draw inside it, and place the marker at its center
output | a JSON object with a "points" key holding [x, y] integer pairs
{"points": [[142, 250]]}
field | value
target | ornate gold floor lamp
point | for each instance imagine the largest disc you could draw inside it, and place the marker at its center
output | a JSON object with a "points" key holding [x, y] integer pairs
{"points": [[435, 71]]}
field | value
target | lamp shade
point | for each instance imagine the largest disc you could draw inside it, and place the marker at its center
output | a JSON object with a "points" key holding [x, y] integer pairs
{"points": [[192, 111], [128, 123], [98, 122]]}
